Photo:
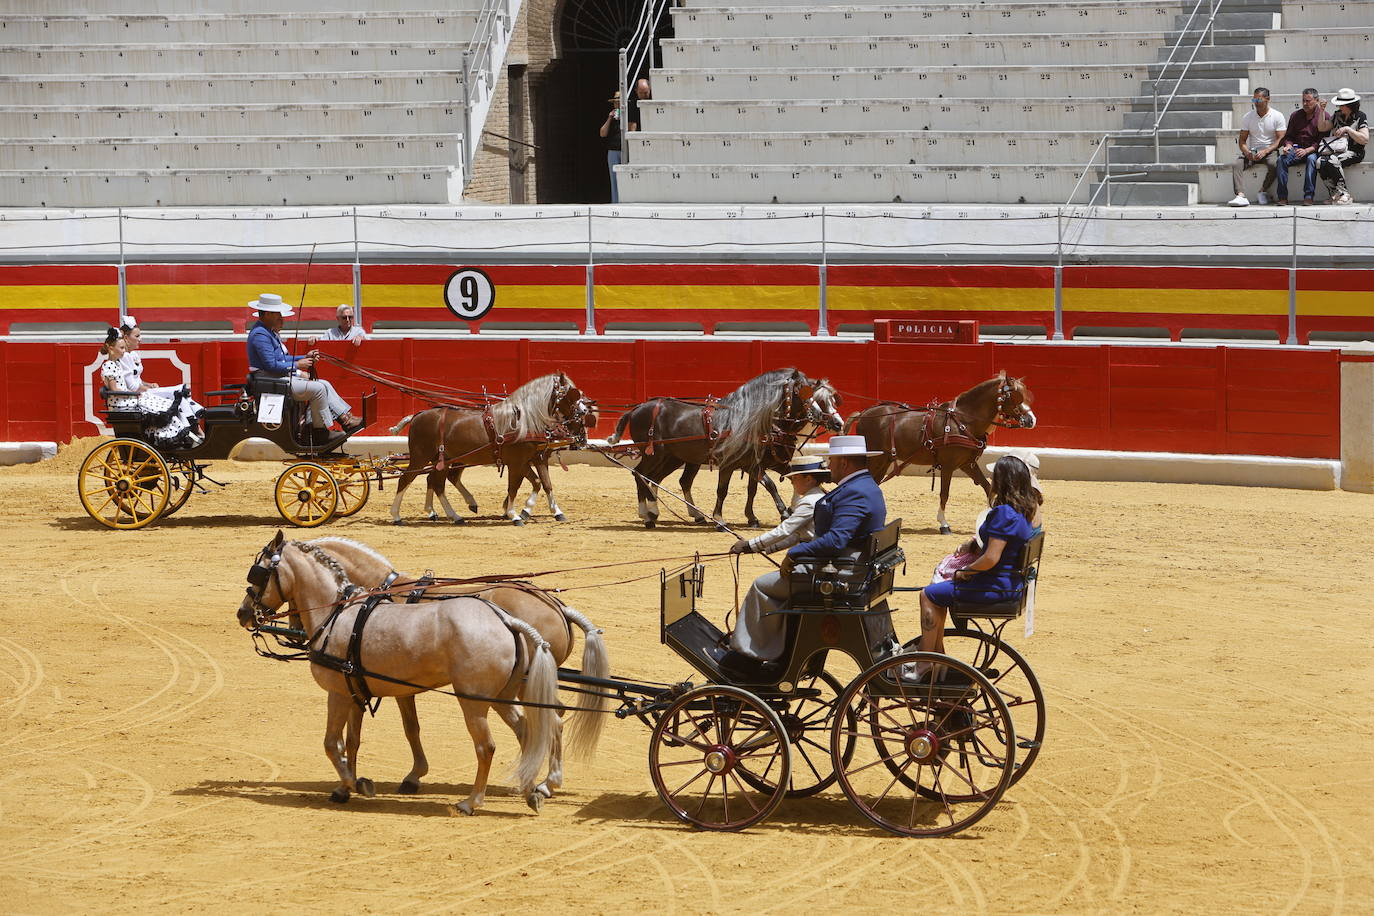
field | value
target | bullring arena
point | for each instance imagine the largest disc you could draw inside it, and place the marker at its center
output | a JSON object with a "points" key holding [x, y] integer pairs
{"points": [[1004, 225], [1207, 745]]}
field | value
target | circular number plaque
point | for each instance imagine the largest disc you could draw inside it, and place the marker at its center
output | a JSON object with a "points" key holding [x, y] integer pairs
{"points": [[469, 293]]}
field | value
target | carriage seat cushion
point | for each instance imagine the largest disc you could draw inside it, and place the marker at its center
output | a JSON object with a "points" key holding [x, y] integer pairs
{"points": [[1011, 608], [259, 384]]}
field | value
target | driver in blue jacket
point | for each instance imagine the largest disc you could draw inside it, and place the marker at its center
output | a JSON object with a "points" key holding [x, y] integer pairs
{"points": [[844, 518]]}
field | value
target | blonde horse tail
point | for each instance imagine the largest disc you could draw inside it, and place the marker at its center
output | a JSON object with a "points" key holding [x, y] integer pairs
{"points": [[586, 723], [540, 692], [402, 425]]}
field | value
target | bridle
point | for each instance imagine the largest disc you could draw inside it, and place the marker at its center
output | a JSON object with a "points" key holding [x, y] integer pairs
{"points": [[260, 576], [817, 415], [1019, 420]]}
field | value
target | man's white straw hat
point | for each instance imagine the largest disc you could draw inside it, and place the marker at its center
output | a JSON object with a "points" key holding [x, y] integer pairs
{"points": [[270, 302], [854, 446]]}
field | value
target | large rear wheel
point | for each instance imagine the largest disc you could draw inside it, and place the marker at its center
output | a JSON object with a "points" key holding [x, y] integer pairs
{"points": [[719, 758], [123, 484], [306, 495], [936, 747]]}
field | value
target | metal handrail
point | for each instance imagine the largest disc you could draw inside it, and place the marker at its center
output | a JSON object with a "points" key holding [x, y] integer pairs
{"points": [[479, 70], [632, 59], [1206, 33]]}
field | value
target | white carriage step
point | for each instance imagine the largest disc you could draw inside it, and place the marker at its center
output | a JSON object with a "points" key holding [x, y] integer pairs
{"points": [[229, 119], [229, 187]]}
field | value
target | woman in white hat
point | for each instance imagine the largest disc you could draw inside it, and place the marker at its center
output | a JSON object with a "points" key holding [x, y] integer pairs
{"points": [[168, 425], [269, 356], [187, 407], [1343, 147], [758, 634]]}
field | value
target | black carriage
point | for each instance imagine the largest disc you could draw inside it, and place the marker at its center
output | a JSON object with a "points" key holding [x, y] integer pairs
{"points": [[133, 480], [923, 744]]}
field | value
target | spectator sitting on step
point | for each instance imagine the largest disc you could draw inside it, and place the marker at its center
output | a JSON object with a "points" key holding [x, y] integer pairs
{"points": [[1306, 126], [1261, 132], [1350, 125], [346, 329]]}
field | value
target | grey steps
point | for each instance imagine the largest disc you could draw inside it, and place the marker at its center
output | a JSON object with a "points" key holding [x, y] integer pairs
{"points": [[1257, 20], [1148, 194], [1240, 54], [1144, 120], [1122, 153]]}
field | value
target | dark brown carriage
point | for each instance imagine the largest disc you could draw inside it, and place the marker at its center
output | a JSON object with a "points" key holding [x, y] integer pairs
{"points": [[132, 481], [923, 744]]}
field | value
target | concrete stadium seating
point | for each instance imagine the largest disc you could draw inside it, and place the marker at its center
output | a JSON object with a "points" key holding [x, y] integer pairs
{"points": [[1001, 102], [212, 88], [373, 8], [254, 152], [262, 58], [294, 28]]}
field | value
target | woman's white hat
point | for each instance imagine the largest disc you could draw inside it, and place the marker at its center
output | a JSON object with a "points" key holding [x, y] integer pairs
{"points": [[1345, 97], [1026, 457], [841, 446], [127, 322], [270, 302], [807, 464]]}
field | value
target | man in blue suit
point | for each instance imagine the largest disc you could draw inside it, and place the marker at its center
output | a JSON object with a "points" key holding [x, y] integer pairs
{"points": [[844, 518]]}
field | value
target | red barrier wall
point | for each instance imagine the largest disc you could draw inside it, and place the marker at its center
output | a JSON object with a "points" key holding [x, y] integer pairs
{"points": [[708, 295], [1214, 400]]}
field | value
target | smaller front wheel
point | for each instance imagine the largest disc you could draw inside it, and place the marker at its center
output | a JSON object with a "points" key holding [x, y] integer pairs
{"points": [[719, 758], [307, 495], [354, 488]]}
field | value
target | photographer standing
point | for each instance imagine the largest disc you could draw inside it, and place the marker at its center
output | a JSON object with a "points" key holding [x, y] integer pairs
{"points": [[610, 132]]}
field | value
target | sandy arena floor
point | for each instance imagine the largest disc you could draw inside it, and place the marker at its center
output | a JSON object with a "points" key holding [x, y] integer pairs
{"points": [[1205, 652]]}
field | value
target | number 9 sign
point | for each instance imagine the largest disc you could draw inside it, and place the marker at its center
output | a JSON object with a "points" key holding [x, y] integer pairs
{"points": [[469, 293]]}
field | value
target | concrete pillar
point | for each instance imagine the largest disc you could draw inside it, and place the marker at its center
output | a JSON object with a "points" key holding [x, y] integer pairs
{"points": [[1357, 418]]}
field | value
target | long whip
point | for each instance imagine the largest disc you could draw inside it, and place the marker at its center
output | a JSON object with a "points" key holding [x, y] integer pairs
{"points": [[305, 284]]}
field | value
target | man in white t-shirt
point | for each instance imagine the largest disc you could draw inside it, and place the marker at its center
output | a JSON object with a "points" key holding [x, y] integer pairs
{"points": [[1261, 134]]}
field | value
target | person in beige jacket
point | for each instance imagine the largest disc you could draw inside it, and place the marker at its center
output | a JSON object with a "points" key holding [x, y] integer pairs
{"points": [[757, 636]]}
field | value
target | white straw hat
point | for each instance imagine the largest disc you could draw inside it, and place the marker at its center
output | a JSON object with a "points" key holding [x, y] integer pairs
{"points": [[853, 446], [270, 302], [1026, 457], [807, 464], [1345, 97]]}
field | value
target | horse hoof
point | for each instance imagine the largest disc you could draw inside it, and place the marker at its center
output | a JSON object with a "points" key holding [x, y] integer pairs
{"points": [[366, 789], [544, 790], [535, 801], [649, 523], [945, 529], [459, 520], [434, 516], [525, 514], [339, 796], [472, 507], [560, 517], [408, 788], [398, 521], [518, 522], [464, 807]]}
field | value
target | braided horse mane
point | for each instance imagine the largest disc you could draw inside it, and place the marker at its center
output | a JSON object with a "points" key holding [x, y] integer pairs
{"points": [[753, 409], [530, 409]]}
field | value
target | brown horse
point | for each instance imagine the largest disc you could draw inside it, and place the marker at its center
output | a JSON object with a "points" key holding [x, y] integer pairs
{"points": [[539, 608], [516, 432], [945, 437], [747, 430]]}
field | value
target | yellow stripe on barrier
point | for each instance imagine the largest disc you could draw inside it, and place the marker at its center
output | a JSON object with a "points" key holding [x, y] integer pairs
{"points": [[191, 296], [1178, 301], [57, 298], [690, 299], [431, 295], [938, 298]]}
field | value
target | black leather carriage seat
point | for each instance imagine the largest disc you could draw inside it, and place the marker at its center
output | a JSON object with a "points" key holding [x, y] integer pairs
{"points": [[860, 581], [1029, 570], [127, 424]]}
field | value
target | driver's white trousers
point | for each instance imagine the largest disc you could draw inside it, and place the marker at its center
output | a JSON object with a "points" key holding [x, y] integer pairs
{"points": [[325, 403]]}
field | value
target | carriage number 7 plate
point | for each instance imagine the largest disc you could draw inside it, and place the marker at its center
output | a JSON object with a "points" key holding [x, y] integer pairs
{"points": [[269, 408]]}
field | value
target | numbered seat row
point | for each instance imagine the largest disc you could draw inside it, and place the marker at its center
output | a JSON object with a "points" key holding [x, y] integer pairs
{"points": [[233, 152], [116, 89], [201, 58], [372, 9], [302, 27], [229, 187]]}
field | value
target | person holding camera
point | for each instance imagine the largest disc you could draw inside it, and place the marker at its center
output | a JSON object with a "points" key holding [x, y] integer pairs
{"points": [[1261, 132], [1345, 146], [610, 133]]}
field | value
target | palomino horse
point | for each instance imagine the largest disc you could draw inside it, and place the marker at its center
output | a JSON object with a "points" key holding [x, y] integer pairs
{"points": [[945, 437], [747, 430], [540, 609], [515, 431], [485, 654]]}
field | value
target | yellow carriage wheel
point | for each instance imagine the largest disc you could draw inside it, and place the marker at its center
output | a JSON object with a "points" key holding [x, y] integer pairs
{"points": [[354, 488], [307, 495], [183, 476], [123, 484]]}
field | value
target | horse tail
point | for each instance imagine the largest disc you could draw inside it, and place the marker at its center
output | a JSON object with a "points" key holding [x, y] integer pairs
{"points": [[540, 691], [620, 425], [586, 723], [395, 430]]}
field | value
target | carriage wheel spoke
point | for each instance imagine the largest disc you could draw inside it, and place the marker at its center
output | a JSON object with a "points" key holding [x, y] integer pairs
{"points": [[700, 774], [744, 792], [706, 795]]}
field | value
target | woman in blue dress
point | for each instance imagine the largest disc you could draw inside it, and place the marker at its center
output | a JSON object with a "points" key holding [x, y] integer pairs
{"points": [[993, 577]]}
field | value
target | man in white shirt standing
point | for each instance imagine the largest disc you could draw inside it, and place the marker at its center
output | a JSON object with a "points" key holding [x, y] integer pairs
{"points": [[1261, 133], [756, 636]]}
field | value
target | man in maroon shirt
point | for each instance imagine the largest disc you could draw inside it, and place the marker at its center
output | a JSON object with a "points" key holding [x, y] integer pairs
{"points": [[1306, 126]]}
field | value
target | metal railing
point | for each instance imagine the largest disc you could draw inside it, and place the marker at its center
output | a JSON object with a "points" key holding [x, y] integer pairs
{"points": [[479, 76], [1103, 146], [634, 60], [1207, 34]]}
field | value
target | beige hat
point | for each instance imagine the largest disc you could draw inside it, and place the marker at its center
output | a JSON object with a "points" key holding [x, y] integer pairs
{"points": [[1345, 97], [1029, 459], [270, 302], [848, 446], [807, 464]]}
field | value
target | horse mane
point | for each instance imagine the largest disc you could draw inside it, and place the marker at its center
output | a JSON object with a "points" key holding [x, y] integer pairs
{"points": [[529, 409], [980, 389], [752, 407], [349, 542]]}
